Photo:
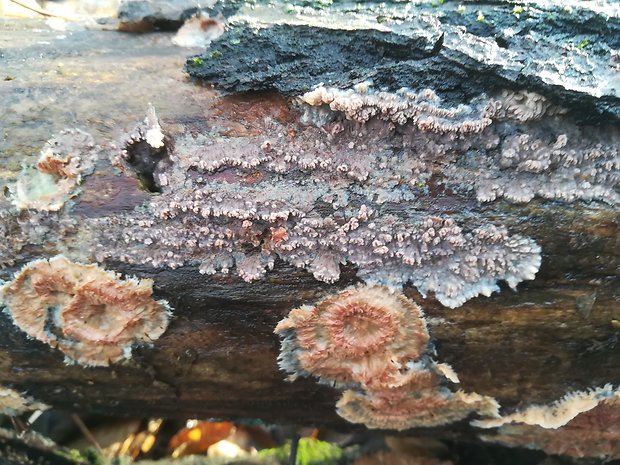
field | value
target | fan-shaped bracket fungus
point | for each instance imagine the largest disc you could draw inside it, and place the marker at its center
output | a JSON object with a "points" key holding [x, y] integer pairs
{"points": [[374, 342], [92, 315]]}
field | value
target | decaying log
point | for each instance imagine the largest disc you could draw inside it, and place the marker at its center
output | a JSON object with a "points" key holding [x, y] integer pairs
{"points": [[509, 162]]}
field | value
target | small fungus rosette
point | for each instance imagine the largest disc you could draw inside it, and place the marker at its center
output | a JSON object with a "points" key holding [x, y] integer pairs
{"points": [[364, 336], [90, 314]]}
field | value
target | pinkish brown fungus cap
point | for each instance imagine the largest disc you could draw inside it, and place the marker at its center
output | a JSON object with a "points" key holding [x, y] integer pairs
{"points": [[90, 314], [408, 407], [365, 335]]}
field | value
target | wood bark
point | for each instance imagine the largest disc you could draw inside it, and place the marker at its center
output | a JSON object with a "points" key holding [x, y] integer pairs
{"points": [[557, 334]]}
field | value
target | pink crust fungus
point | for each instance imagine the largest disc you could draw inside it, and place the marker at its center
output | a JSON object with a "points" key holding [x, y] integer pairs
{"points": [[374, 342], [582, 424], [64, 161], [90, 314], [315, 200]]}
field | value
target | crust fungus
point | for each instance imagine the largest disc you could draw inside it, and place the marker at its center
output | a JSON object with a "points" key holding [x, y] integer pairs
{"points": [[557, 414], [525, 106], [582, 424], [13, 403], [92, 315], [374, 342], [404, 106], [64, 160]]}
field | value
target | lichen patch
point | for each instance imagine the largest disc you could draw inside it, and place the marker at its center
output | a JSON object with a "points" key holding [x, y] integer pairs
{"points": [[92, 315]]}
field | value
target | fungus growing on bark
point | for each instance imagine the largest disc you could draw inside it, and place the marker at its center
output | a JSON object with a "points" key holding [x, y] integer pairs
{"points": [[557, 414], [64, 160], [375, 343], [582, 424], [13, 403], [525, 106], [567, 166], [90, 314], [422, 109], [364, 335], [329, 192], [412, 407]]}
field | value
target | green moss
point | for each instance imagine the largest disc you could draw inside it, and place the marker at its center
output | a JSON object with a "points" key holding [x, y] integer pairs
{"points": [[517, 10], [309, 452], [196, 61], [216, 55], [583, 44]]}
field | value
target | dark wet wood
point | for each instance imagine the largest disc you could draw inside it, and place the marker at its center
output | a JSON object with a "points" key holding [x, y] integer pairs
{"points": [[557, 334], [218, 358]]}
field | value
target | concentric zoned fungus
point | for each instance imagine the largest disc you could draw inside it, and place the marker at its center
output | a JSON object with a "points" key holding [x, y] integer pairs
{"points": [[582, 424], [374, 342], [90, 314], [64, 160], [364, 335]]}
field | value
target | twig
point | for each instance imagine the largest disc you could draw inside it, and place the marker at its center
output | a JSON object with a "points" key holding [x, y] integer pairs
{"points": [[40, 11], [87, 434], [294, 445]]}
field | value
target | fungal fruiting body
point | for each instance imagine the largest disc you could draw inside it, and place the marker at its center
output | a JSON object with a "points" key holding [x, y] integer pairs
{"points": [[13, 403], [581, 424], [558, 161], [374, 342], [316, 200], [363, 335], [92, 315], [64, 161], [404, 106], [412, 407]]}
